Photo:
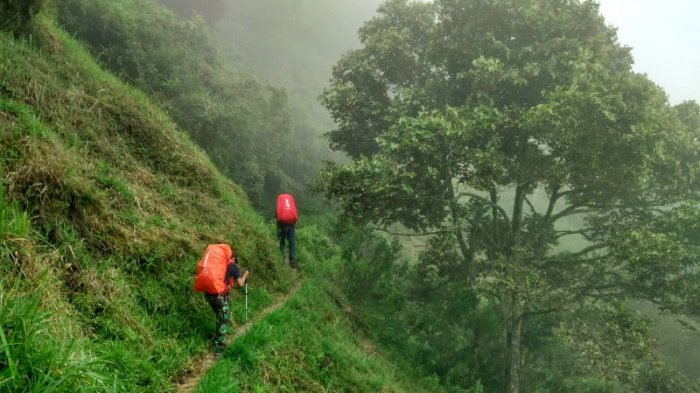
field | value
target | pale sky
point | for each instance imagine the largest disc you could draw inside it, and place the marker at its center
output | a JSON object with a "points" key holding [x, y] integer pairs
{"points": [[665, 41]]}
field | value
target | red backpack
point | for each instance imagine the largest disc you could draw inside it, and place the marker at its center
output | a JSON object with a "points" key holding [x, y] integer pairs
{"points": [[211, 269], [286, 209]]}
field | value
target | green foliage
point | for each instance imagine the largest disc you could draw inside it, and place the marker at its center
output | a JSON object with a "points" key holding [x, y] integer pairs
{"points": [[16, 14], [396, 303], [499, 130], [689, 113]]}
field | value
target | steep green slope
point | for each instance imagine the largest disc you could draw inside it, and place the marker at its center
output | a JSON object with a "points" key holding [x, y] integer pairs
{"points": [[107, 206]]}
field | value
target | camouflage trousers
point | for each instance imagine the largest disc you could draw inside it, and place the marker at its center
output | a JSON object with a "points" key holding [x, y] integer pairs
{"points": [[222, 309]]}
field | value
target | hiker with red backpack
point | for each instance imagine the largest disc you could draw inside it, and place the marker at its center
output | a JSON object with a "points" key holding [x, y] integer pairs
{"points": [[217, 273], [287, 216]]}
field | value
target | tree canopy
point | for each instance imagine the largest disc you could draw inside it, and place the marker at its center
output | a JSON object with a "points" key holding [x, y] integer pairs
{"points": [[515, 134]]}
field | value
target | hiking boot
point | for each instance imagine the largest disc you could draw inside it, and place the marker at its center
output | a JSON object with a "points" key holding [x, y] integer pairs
{"points": [[293, 265]]}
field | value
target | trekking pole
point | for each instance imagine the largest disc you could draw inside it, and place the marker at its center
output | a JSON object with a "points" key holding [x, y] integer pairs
{"points": [[246, 302]]}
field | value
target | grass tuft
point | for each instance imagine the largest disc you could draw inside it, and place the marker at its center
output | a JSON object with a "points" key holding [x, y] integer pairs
{"points": [[32, 359]]}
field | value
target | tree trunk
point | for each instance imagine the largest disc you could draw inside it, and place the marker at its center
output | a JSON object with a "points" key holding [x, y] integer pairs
{"points": [[457, 226], [513, 353], [514, 356], [517, 216]]}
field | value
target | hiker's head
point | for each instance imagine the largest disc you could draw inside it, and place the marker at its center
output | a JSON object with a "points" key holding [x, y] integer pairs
{"points": [[234, 256]]}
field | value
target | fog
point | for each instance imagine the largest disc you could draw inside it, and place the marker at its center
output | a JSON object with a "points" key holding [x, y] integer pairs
{"points": [[294, 43], [289, 43]]}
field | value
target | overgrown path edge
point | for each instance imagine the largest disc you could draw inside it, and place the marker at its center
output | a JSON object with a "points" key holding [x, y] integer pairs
{"points": [[203, 363]]}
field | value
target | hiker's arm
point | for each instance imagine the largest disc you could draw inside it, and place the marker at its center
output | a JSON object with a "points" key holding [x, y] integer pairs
{"points": [[242, 279]]}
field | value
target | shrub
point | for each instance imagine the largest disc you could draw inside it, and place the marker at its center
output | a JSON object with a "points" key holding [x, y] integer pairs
{"points": [[15, 14]]}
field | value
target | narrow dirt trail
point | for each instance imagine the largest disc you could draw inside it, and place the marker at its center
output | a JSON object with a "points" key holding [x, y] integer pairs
{"points": [[204, 362]]}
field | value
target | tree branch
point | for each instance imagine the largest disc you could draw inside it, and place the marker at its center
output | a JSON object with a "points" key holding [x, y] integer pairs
{"points": [[573, 210], [527, 200], [407, 234], [560, 234], [467, 252], [587, 250], [579, 261], [517, 213], [493, 205], [574, 257], [486, 234], [552, 202], [493, 194]]}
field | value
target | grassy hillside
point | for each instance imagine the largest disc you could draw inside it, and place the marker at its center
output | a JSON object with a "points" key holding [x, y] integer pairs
{"points": [[105, 207]]}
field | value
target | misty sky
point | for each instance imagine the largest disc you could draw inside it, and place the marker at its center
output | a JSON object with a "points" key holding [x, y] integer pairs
{"points": [[665, 41]]}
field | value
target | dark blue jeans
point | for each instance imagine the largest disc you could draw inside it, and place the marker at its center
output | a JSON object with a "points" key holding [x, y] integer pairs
{"points": [[286, 232]]}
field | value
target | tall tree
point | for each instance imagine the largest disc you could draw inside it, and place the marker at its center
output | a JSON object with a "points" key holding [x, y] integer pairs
{"points": [[516, 132]]}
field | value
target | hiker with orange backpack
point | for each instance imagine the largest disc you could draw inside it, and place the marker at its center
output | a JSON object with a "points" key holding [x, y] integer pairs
{"points": [[217, 273], [287, 216]]}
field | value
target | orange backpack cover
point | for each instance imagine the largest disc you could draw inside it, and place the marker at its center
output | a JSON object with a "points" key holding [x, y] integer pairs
{"points": [[286, 211], [211, 269]]}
